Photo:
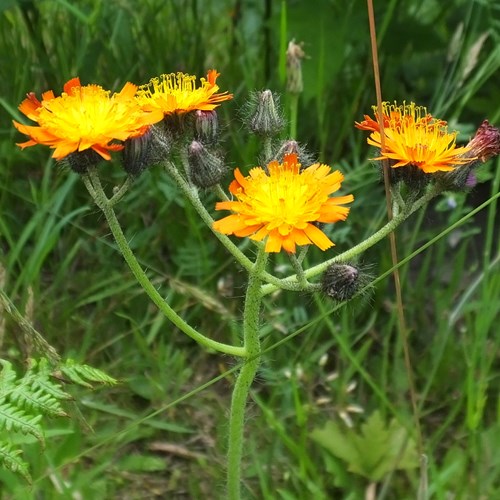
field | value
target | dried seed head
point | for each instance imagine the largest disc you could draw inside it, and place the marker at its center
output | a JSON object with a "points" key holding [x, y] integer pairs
{"points": [[294, 56]]}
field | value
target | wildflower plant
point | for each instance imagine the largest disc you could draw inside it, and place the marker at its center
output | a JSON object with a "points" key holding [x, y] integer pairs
{"points": [[280, 206]]}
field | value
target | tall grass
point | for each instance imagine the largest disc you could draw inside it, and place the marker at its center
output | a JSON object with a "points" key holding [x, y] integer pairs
{"points": [[161, 431]]}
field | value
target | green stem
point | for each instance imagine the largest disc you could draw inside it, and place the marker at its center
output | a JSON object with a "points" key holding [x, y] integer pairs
{"points": [[120, 192], [294, 103], [221, 193], [245, 377], [297, 267], [359, 248], [103, 203], [191, 194]]}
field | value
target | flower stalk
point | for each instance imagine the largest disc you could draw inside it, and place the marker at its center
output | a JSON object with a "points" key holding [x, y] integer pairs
{"points": [[251, 344]]}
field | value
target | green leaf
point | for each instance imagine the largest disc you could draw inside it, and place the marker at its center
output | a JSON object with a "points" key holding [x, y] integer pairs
{"points": [[373, 452]]}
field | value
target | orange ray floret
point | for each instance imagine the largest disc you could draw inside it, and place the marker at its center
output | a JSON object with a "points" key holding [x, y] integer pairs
{"points": [[84, 117], [414, 137], [177, 93], [284, 205]]}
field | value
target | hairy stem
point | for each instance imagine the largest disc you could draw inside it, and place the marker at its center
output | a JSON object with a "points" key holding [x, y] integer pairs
{"points": [[245, 377]]}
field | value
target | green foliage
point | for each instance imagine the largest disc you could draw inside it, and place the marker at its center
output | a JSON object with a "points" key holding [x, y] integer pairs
{"points": [[375, 451], [26, 402], [55, 246]]}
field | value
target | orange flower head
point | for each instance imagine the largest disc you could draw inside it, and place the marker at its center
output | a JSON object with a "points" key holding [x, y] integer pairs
{"points": [[284, 205], [177, 93], [84, 117], [414, 137]]}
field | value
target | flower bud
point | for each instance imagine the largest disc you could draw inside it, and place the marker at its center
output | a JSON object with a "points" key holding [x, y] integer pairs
{"points": [[293, 147], [294, 56], [266, 119], [341, 282], [206, 126], [135, 154], [144, 151], [81, 161], [206, 169]]}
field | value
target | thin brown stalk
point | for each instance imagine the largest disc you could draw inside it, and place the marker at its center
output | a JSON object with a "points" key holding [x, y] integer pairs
{"points": [[392, 238]]}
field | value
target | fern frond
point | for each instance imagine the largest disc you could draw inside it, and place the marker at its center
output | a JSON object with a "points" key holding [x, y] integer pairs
{"points": [[36, 401], [7, 377], [11, 460], [84, 374], [26, 400]]}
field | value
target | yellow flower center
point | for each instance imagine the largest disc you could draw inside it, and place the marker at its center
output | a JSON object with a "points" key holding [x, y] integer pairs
{"points": [[283, 204], [177, 93], [87, 114]]}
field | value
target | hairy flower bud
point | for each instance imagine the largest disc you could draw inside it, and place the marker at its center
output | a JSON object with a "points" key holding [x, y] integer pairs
{"points": [[341, 282], [266, 118], [144, 151], [135, 154], [206, 126], [81, 161], [206, 169], [293, 147]]}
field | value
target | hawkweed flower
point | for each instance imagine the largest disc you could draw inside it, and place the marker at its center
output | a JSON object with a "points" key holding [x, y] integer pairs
{"points": [[284, 205], [83, 118], [177, 93], [414, 138]]}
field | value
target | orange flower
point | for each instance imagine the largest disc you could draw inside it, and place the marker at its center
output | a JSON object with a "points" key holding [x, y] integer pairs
{"points": [[177, 93], [414, 137], [84, 117], [284, 205]]}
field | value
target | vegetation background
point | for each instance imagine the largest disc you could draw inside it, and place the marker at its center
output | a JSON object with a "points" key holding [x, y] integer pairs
{"points": [[161, 432]]}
